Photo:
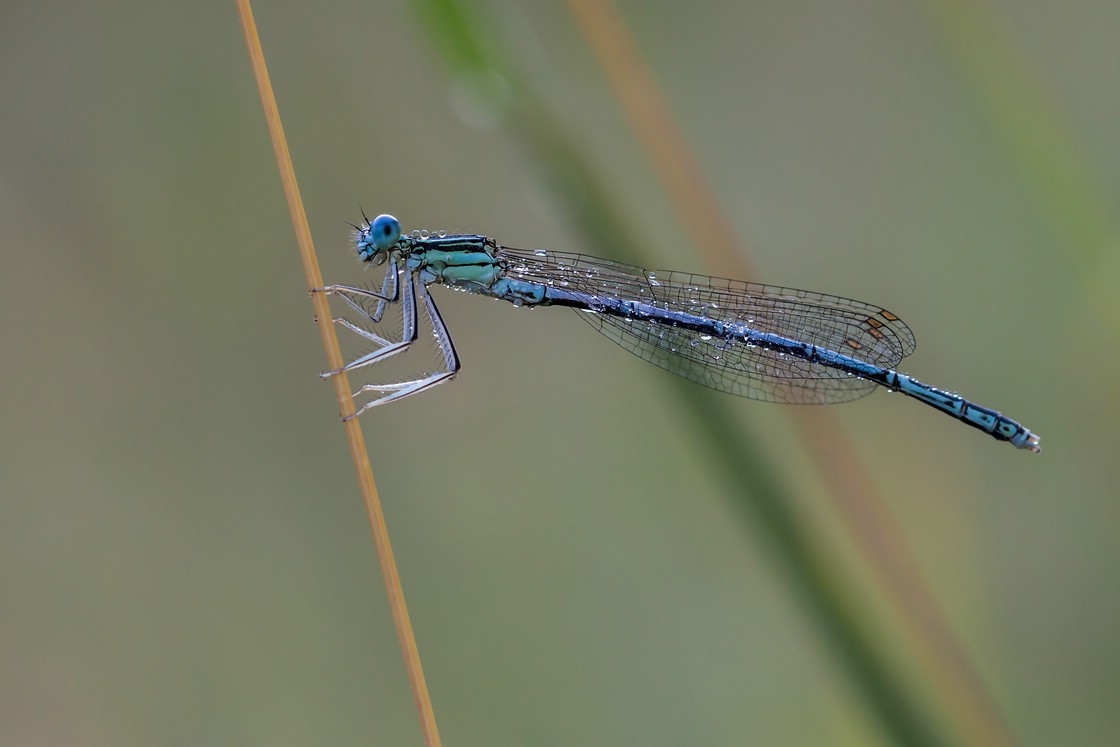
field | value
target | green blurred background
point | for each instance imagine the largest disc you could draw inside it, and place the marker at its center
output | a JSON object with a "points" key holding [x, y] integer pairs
{"points": [[184, 557]]}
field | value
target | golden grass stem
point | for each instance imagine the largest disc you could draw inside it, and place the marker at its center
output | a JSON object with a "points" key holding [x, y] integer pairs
{"points": [[866, 517], [341, 384]]}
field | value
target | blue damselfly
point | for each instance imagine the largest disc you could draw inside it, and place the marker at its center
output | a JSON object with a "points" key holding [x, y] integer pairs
{"points": [[749, 339]]}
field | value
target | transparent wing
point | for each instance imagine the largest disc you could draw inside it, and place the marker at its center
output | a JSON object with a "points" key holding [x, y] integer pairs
{"points": [[860, 330]]}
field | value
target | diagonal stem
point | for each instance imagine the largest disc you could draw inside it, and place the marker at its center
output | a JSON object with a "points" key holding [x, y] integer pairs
{"points": [[341, 385], [874, 530]]}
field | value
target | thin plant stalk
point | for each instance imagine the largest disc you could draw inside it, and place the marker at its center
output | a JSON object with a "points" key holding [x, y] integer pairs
{"points": [[341, 383], [868, 520]]}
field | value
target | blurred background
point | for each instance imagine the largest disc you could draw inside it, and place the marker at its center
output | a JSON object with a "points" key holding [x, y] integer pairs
{"points": [[184, 556]]}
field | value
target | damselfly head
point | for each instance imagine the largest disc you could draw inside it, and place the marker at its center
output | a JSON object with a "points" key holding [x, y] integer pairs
{"points": [[378, 238]]}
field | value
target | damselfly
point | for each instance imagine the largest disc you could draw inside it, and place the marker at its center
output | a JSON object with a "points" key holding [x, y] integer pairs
{"points": [[753, 340]]}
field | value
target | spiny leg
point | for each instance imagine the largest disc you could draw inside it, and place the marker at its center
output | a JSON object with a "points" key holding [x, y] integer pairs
{"points": [[390, 289], [408, 333], [362, 331], [390, 293], [404, 389]]}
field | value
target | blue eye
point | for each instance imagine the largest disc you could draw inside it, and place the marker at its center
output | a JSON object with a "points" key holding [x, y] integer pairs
{"points": [[384, 231], [378, 238]]}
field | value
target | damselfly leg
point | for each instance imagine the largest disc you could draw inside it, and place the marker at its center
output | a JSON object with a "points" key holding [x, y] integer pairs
{"points": [[371, 305]]}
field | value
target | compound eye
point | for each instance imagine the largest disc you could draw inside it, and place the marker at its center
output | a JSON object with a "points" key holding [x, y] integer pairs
{"points": [[385, 231]]}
